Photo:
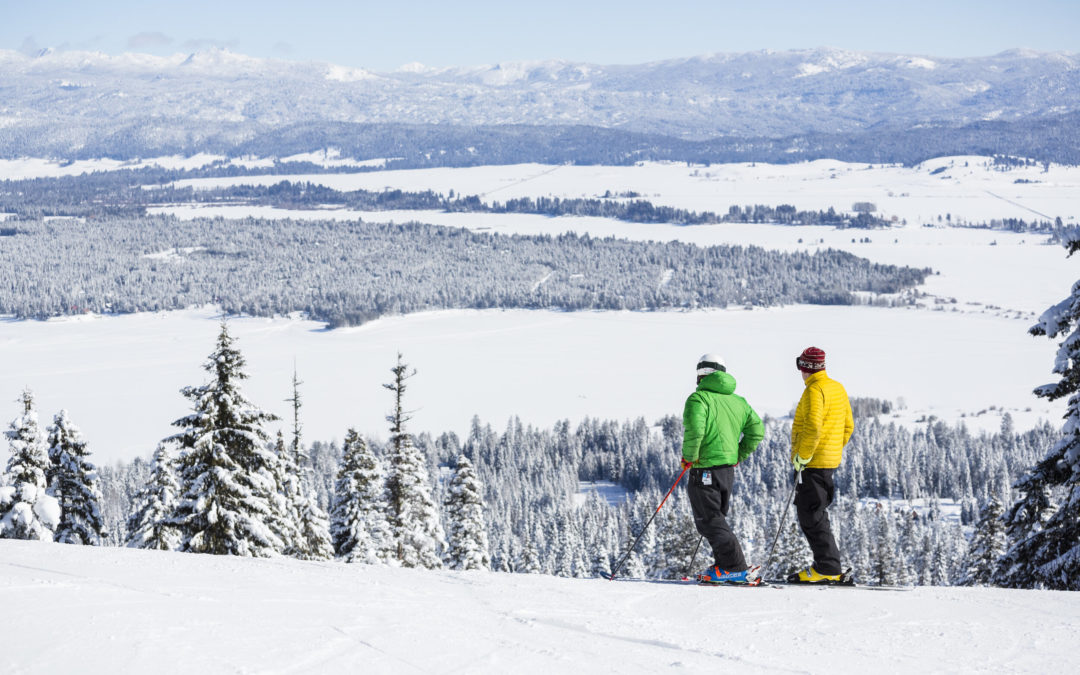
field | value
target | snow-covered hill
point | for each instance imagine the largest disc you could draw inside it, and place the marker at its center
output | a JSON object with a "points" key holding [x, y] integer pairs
{"points": [[71, 609], [188, 98]]}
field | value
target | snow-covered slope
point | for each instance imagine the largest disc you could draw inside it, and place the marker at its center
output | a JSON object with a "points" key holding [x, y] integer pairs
{"points": [[71, 609]]}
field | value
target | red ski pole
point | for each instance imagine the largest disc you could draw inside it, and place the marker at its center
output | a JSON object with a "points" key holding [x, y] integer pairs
{"points": [[634, 545]]}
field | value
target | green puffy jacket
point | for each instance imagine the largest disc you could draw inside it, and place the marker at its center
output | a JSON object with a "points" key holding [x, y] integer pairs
{"points": [[713, 420]]}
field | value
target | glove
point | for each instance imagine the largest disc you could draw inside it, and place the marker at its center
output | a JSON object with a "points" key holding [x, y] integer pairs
{"points": [[799, 462], [685, 464]]}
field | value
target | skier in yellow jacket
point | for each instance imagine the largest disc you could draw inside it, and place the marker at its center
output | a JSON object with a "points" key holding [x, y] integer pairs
{"points": [[823, 424]]}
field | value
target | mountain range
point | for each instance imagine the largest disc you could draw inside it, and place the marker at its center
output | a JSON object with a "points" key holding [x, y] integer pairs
{"points": [[70, 103]]}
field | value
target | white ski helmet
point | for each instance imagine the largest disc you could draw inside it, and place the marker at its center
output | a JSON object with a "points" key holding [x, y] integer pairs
{"points": [[710, 363]]}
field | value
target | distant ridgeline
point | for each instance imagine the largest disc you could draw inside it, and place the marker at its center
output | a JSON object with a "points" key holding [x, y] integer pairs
{"points": [[1053, 138], [349, 273]]}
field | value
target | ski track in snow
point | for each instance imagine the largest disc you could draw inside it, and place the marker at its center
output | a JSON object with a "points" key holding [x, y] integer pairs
{"points": [[129, 611]]}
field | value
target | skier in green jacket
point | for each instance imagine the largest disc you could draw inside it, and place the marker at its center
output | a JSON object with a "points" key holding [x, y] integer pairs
{"points": [[720, 429]]}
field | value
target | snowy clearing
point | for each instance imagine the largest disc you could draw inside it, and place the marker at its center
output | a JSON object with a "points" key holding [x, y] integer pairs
{"points": [[120, 376], [968, 189], [132, 611], [611, 493], [36, 167]]}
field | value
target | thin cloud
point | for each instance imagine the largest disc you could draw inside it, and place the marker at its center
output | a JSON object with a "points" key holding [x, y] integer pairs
{"points": [[200, 44], [30, 46], [282, 49], [149, 40]]}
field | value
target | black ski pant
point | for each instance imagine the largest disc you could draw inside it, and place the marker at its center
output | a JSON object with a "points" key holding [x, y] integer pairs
{"points": [[812, 496], [710, 495]]}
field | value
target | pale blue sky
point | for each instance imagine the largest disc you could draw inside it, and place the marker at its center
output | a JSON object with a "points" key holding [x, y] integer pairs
{"points": [[384, 35]]}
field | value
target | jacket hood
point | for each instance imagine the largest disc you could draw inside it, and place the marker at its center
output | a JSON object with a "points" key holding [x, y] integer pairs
{"points": [[718, 383]]}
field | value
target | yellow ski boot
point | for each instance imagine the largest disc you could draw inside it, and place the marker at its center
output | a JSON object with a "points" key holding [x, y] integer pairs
{"points": [[812, 576]]}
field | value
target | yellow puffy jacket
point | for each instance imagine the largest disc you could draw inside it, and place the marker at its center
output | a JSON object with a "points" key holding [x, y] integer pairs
{"points": [[823, 422]]}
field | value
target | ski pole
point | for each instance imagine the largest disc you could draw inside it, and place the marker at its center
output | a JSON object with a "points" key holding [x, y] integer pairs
{"points": [[693, 559], [634, 545], [783, 517]]}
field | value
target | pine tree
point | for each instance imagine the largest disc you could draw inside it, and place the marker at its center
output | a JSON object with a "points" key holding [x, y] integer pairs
{"points": [[633, 567], [73, 481], [414, 518], [792, 552], [312, 540], [467, 531], [150, 526], [861, 553], [889, 564], [27, 511], [600, 561], [358, 525], [1027, 517], [284, 518], [1051, 555], [530, 559], [987, 544], [225, 469]]}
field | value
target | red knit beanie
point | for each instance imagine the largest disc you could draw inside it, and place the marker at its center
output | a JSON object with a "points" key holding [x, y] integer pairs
{"points": [[812, 360]]}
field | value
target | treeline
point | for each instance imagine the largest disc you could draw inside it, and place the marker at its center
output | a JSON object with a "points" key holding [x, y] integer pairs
{"points": [[353, 272], [510, 501], [1051, 138], [889, 516], [129, 193], [132, 192]]}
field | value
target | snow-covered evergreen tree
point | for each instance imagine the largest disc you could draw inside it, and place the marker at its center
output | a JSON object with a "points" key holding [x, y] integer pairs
{"points": [[358, 522], [27, 511], [529, 559], [150, 525], [633, 567], [1028, 516], [467, 531], [1051, 555], [889, 566], [312, 541], [792, 552], [226, 467], [413, 515], [73, 482], [988, 544], [284, 517]]}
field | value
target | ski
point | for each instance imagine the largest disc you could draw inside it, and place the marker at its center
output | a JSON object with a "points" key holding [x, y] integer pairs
{"points": [[736, 584], [820, 584], [782, 583], [846, 581]]}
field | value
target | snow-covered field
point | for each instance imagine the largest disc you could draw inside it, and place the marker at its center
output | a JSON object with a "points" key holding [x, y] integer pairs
{"points": [[74, 609], [968, 189], [963, 355], [119, 377]]}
